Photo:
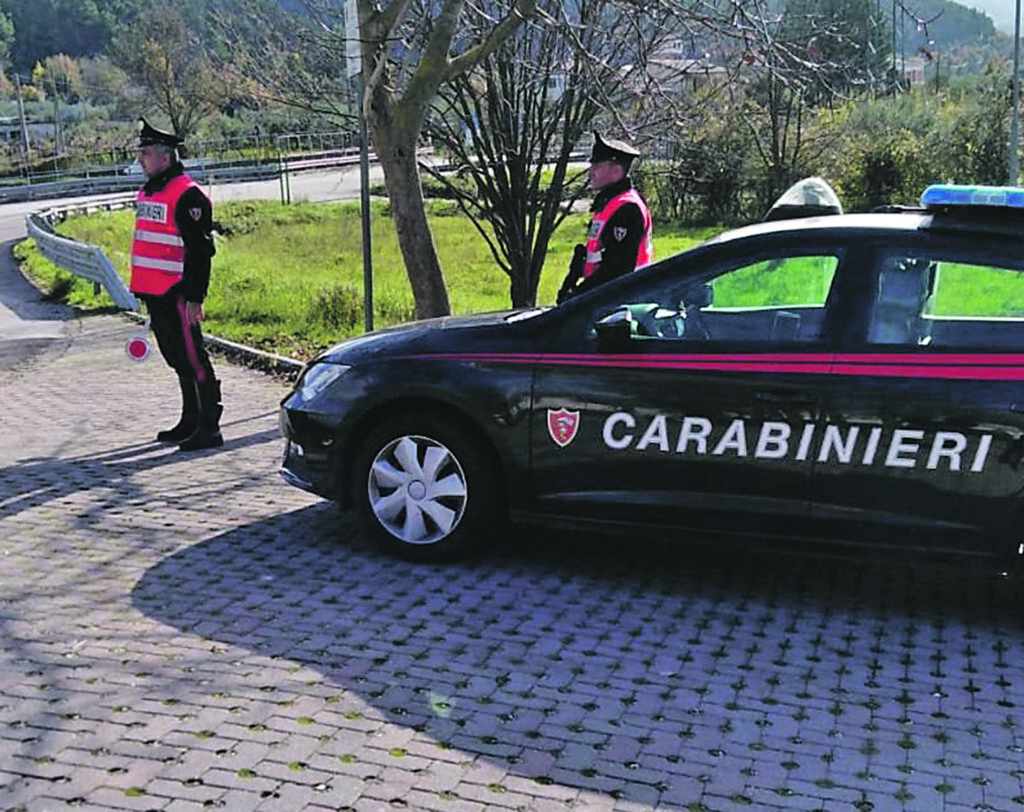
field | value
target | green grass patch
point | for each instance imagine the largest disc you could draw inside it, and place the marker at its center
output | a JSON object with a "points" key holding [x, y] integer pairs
{"points": [[791, 281], [289, 278], [974, 290]]}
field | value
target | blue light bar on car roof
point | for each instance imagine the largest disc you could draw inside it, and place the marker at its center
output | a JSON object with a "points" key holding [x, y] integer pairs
{"points": [[948, 194]]}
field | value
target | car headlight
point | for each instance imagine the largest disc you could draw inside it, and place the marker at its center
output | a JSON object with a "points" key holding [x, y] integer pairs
{"points": [[318, 377]]}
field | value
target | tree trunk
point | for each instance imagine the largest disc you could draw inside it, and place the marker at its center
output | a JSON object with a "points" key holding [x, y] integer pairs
{"points": [[396, 151]]}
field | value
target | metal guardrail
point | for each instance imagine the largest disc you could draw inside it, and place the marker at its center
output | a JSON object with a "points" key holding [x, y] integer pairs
{"points": [[81, 259], [205, 171], [89, 261]]}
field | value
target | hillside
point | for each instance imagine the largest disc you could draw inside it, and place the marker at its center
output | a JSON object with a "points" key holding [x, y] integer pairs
{"points": [[943, 22], [1001, 12], [31, 30]]}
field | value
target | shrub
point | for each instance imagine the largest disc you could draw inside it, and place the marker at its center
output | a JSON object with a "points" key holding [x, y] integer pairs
{"points": [[706, 181], [891, 148], [338, 308], [392, 307]]}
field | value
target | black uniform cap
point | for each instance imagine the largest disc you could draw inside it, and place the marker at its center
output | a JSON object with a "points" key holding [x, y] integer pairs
{"points": [[150, 136], [616, 151]]}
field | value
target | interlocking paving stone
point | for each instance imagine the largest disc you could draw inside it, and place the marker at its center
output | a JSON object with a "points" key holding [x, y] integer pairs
{"points": [[187, 632]]}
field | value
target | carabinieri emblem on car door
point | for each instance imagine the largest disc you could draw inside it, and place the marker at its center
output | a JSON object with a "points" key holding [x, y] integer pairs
{"points": [[562, 426]]}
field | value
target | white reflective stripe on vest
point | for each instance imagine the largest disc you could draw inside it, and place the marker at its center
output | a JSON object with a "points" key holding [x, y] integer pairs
{"points": [[160, 239], [159, 264]]}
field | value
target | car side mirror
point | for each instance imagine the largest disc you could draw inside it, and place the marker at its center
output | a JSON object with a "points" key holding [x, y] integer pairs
{"points": [[614, 331], [701, 297]]}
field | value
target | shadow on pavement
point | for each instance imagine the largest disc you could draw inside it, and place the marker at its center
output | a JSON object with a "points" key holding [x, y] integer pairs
{"points": [[35, 481], [586, 663]]}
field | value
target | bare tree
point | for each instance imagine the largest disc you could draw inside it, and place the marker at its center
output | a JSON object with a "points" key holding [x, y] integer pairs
{"points": [[523, 110], [158, 52], [409, 49], [396, 110], [288, 57], [515, 123], [512, 103], [805, 55]]}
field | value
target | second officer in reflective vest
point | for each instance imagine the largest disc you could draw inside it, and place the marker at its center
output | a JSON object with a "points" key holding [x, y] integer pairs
{"points": [[619, 237], [170, 272]]}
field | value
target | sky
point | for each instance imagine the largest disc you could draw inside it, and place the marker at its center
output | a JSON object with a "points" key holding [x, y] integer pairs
{"points": [[1001, 11]]}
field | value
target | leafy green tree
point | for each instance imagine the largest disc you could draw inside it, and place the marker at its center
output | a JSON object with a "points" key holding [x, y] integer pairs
{"points": [[43, 28], [82, 28], [708, 177], [103, 82], [978, 135], [6, 36], [59, 76], [890, 149]]}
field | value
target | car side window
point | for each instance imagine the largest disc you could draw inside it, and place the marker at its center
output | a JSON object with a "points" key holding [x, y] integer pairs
{"points": [[773, 300], [947, 304]]}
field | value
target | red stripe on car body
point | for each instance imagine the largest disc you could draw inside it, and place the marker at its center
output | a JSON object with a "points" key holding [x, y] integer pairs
{"points": [[953, 366]]}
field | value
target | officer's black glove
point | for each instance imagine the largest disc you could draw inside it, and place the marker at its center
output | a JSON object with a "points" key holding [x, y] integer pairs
{"points": [[579, 260]]}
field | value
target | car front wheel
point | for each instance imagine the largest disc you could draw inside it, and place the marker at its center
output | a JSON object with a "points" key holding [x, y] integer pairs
{"points": [[424, 487]]}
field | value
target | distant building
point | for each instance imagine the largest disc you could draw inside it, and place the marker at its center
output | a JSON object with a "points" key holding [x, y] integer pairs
{"points": [[675, 72], [677, 69], [913, 71], [10, 131]]}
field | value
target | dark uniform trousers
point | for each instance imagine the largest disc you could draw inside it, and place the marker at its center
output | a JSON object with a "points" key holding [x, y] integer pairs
{"points": [[180, 343]]}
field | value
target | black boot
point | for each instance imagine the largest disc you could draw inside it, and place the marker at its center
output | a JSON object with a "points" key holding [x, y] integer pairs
{"points": [[189, 414], [207, 433]]}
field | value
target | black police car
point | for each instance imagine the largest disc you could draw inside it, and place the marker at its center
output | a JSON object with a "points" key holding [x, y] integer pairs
{"points": [[842, 377]]}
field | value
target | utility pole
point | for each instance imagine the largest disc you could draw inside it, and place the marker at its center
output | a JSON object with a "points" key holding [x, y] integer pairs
{"points": [[58, 136], [354, 63], [1015, 111], [894, 73], [24, 126]]}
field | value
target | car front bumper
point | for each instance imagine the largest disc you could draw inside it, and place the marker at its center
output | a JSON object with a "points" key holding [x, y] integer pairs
{"points": [[308, 463]]}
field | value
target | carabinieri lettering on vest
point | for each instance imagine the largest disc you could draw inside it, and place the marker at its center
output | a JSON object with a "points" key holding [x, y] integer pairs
{"points": [[145, 210]]}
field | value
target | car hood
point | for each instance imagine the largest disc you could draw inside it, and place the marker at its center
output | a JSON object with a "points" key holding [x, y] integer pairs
{"points": [[422, 334]]}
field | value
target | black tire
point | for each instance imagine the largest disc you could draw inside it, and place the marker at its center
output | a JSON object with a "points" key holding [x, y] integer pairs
{"points": [[425, 487]]}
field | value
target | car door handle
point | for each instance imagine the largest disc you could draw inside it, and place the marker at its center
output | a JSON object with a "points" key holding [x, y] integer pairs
{"points": [[774, 397], [787, 399]]}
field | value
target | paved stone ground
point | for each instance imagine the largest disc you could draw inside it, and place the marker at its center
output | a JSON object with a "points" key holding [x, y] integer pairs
{"points": [[183, 632]]}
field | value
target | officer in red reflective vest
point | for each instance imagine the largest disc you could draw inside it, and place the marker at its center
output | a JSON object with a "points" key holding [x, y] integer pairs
{"points": [[170, 273], [619, 237]]}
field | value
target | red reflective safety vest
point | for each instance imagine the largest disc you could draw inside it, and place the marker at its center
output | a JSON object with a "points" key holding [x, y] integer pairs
{"points": [[158, 252], [645, 254]]}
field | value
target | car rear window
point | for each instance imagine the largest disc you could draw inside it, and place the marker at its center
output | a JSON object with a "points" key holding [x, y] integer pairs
{"points": [[924, 301]]}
